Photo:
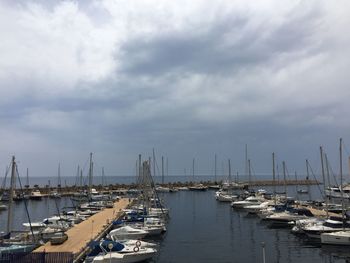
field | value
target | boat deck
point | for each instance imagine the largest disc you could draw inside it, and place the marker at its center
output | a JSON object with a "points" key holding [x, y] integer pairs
{"points": [[321, 213], [81, 234]]}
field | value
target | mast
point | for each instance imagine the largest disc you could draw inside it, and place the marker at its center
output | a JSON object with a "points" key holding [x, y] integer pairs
{"points": [[167, 167], [296, 182], [341, 180], [249, 173], [273, 178], [59, 176], [81, 177], [162, 169], [138, 180], [154, 163], [327, 169], [27, 179], [307, 177], [90, 174], [284, 178], [193, 169], [12, 185], [229, 171], [246, 160], [324, 180], [215, 167], [103, 176]]}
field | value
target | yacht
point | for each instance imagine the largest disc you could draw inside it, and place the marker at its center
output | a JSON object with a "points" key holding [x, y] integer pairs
{"points": [[336, 238], [35, 195], [127, 232], [251, 200]]}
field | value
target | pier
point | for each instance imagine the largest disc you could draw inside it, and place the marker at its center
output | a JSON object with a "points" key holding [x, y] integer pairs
{"points": [[79, 236]]}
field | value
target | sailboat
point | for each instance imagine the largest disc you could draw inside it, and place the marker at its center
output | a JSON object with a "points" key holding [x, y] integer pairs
{"points": [[9, 244], [338, 237]]}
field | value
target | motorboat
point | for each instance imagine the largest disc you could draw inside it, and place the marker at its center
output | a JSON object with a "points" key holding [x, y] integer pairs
{"points": [[55, 194], [225, 196], [35, 195], [335, 192], [255, 209], [123, 253], [315, 230], [251, 200], [162, 189], [198, 187], [127, 232], [336, 238], [288, 217], [3, 207]]}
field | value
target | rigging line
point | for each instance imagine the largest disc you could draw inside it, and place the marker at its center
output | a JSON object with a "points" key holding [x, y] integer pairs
{"points": [[345, 148], [318, 185], [332, 172], [25, 201], [287, 172], [3, 186]]}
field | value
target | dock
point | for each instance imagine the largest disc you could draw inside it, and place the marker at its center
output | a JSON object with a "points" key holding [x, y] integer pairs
{"points": [[92, 228]]}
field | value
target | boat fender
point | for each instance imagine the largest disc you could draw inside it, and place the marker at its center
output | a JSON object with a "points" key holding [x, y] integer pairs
{"points": [[138, 243], [136, 249]]}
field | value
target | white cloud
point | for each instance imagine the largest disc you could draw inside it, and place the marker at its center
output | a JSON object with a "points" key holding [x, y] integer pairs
{"points": [[113, 70]]}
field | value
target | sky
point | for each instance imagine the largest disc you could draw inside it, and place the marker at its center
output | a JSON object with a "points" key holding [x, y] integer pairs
{"points": [[189, 79]]}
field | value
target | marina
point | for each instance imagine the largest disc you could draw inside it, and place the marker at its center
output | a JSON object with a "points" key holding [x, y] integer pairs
{"points": [[95, 224], [93, 228]]}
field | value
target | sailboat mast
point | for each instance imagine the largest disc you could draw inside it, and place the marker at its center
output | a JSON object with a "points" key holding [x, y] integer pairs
{"points": [[215, 168], [307, 178], [90, 174], [324, 180], [249, 173], [284, 178], [341, 179], [103, 176], [167, 166], [59, 176], [154, 163], [229, 171], [246, 160], [12, 185], [162, 169], [27, 180], [273, 178], [327, 170], [193, 169], [138, 180]]}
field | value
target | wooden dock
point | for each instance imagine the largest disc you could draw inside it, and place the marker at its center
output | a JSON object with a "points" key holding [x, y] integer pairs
{"points": [[81, 234]]}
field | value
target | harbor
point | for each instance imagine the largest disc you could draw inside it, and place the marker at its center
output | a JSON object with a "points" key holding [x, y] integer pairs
{"points": [[129, 223], [94, 228]]}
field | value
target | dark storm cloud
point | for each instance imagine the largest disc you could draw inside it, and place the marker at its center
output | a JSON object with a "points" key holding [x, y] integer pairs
{"points": [[228, 45]]}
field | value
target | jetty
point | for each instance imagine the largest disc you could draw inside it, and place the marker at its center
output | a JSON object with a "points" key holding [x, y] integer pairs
{"points": [[80, 235]]}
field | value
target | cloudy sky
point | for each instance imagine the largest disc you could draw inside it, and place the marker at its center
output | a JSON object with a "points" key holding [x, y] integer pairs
{"points": [[188, 78]]}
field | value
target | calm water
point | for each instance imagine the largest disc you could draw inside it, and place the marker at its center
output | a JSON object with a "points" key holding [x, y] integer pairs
{"points": [[204, 230]]}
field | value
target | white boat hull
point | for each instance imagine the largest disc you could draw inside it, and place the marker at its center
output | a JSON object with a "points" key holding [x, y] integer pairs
{"points": [[336, 238], [116, 257]]}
